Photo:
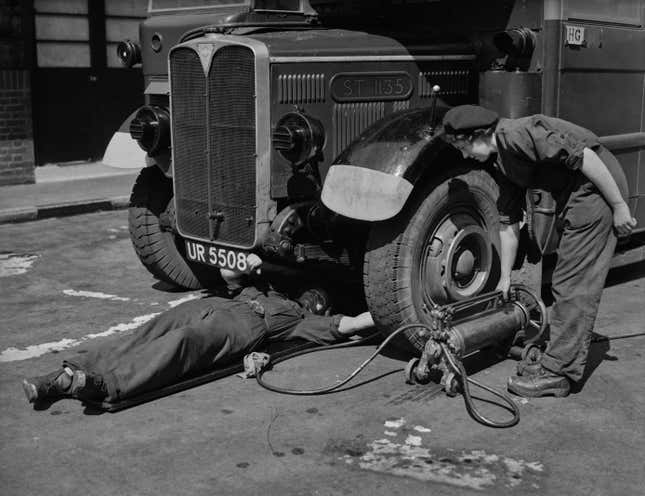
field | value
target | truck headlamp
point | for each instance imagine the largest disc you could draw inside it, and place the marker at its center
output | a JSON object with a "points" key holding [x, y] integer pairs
{"points": [[129, 53], [517, 42], [151, 129], [298, 137]]}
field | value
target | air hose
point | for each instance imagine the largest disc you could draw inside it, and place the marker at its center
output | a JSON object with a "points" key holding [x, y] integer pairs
{"points": [[329, 389], [459, 369], [456, 365]]}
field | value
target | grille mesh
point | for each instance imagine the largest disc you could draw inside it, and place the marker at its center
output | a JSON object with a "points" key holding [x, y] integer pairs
{"points": [[232, 143], [189, 142], [214, 144]]}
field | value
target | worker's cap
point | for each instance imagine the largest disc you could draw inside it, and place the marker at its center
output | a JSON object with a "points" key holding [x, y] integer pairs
{"points": [[464, 120]]}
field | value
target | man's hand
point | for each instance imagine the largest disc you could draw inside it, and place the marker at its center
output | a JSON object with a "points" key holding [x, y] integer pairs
{"points": [[624, 223], [504, 285], [254, 264]]}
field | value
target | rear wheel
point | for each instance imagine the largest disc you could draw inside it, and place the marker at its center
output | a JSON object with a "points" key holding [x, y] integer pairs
{"points": [[442, 247], [158, 246]]}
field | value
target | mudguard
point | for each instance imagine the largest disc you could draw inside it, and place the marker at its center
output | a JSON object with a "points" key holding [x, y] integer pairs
{"points": [[122, 151], [373, 177]]}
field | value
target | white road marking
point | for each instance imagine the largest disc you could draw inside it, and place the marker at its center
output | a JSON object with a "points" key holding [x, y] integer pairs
{"points": [[189, 297], [413, 440], [12, 264], [475, 469], [14, 354], [394, 424], [94, 294]]}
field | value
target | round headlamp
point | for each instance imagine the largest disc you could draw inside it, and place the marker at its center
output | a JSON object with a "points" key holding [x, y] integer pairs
{"points": [[151, 129], [129, 53], [298, 137]]}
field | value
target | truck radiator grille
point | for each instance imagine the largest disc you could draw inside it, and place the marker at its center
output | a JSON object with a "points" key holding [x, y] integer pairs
{"points": [[189, 142], [215, 154]]}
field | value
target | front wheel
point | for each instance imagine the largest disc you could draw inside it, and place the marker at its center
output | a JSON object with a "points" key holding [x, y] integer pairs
{"points": [[443, 247], [158, 246]]}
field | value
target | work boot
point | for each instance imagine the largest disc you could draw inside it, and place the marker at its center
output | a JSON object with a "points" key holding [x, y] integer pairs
{"points": [[64, 383], [86, 386], [541, 383], [50, 386], [525, 368]]}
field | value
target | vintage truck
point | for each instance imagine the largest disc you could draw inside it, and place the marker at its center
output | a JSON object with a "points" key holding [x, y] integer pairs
{"points": [[305, 131]]}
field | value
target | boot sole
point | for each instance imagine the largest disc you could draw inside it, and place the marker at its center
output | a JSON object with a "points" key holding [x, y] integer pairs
{"points": [[558, 393], [30, 391]]}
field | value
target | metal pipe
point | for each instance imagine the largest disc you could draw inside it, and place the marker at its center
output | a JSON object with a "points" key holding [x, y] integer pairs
{"points": [[623, 141]]}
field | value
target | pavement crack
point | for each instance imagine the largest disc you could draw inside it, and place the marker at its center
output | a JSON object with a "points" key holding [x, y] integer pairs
{"points": [[274, 416]]}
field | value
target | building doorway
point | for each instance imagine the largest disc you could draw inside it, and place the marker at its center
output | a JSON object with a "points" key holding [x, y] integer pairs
{"points": [[81, 94]]}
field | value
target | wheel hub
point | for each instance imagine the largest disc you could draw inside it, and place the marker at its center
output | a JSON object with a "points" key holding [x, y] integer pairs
{"points": [[457, 259]]}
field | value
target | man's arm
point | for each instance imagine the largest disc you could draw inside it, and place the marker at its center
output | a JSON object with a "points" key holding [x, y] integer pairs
{"points": [[596, 171], [351, 325], [509, 236]]}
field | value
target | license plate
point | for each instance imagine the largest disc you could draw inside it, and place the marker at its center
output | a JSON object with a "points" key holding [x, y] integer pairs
{"points": [[224, 258], [575, 35]]}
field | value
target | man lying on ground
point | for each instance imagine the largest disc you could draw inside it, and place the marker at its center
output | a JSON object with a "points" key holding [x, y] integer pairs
{"points": [[190, 339]]}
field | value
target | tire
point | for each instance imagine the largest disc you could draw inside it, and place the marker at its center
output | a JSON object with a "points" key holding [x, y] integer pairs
{"points": [[444, 246], [159, 248]]}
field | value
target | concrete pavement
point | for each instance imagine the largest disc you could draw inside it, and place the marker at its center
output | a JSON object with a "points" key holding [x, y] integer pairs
{"points": [[67, 190], [70, 283]]}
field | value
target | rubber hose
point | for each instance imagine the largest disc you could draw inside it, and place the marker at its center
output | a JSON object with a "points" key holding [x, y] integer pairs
{"points": [[329, 389], [459, 369]]}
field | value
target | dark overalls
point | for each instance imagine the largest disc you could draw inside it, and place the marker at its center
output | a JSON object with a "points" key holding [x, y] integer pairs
{"points": [[546, 153], [199, 335]]}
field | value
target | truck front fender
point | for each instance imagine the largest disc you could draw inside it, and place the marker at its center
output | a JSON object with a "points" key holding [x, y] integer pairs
{"points": [[122, 151], [373, 177]]}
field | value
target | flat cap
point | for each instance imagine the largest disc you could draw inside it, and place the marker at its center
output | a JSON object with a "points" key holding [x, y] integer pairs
{"points": [[465, 119]]}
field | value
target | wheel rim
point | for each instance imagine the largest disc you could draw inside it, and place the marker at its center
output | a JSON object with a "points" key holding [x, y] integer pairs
{"points": [[455, 258]]}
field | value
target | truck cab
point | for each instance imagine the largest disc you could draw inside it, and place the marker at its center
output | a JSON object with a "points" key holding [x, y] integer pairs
{"points": [[306, 131]]}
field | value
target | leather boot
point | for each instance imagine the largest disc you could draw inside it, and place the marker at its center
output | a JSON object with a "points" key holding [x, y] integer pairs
{"points": [[64, 383], [48, 387], [541, 383], [87, 386]]}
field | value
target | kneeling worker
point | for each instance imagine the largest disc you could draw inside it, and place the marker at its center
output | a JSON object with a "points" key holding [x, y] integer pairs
{"points": [[589, 190], [192, 338]]}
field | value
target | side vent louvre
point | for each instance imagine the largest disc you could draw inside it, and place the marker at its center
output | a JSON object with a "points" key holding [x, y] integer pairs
{"points": [[454, 82], [351, 119], [301, 88], [404, 105]]}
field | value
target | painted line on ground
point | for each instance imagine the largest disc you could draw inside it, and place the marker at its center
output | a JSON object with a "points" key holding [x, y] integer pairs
{"points": [[94, 294], [13, 264], [14, 354], [473, 469]]}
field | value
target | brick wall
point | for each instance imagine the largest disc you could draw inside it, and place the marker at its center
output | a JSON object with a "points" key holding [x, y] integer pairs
{"points": [[16, 139], [16, 135]]}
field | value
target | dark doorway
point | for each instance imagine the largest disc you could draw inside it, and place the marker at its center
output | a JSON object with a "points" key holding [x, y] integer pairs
{"points": [[80, 93]]}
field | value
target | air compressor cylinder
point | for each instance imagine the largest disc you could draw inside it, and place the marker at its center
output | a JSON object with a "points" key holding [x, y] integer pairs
{"points": [[469, 336]]}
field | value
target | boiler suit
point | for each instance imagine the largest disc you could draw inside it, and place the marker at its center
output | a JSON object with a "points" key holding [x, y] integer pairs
{"points": [[546, 153], [199, 335]]}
